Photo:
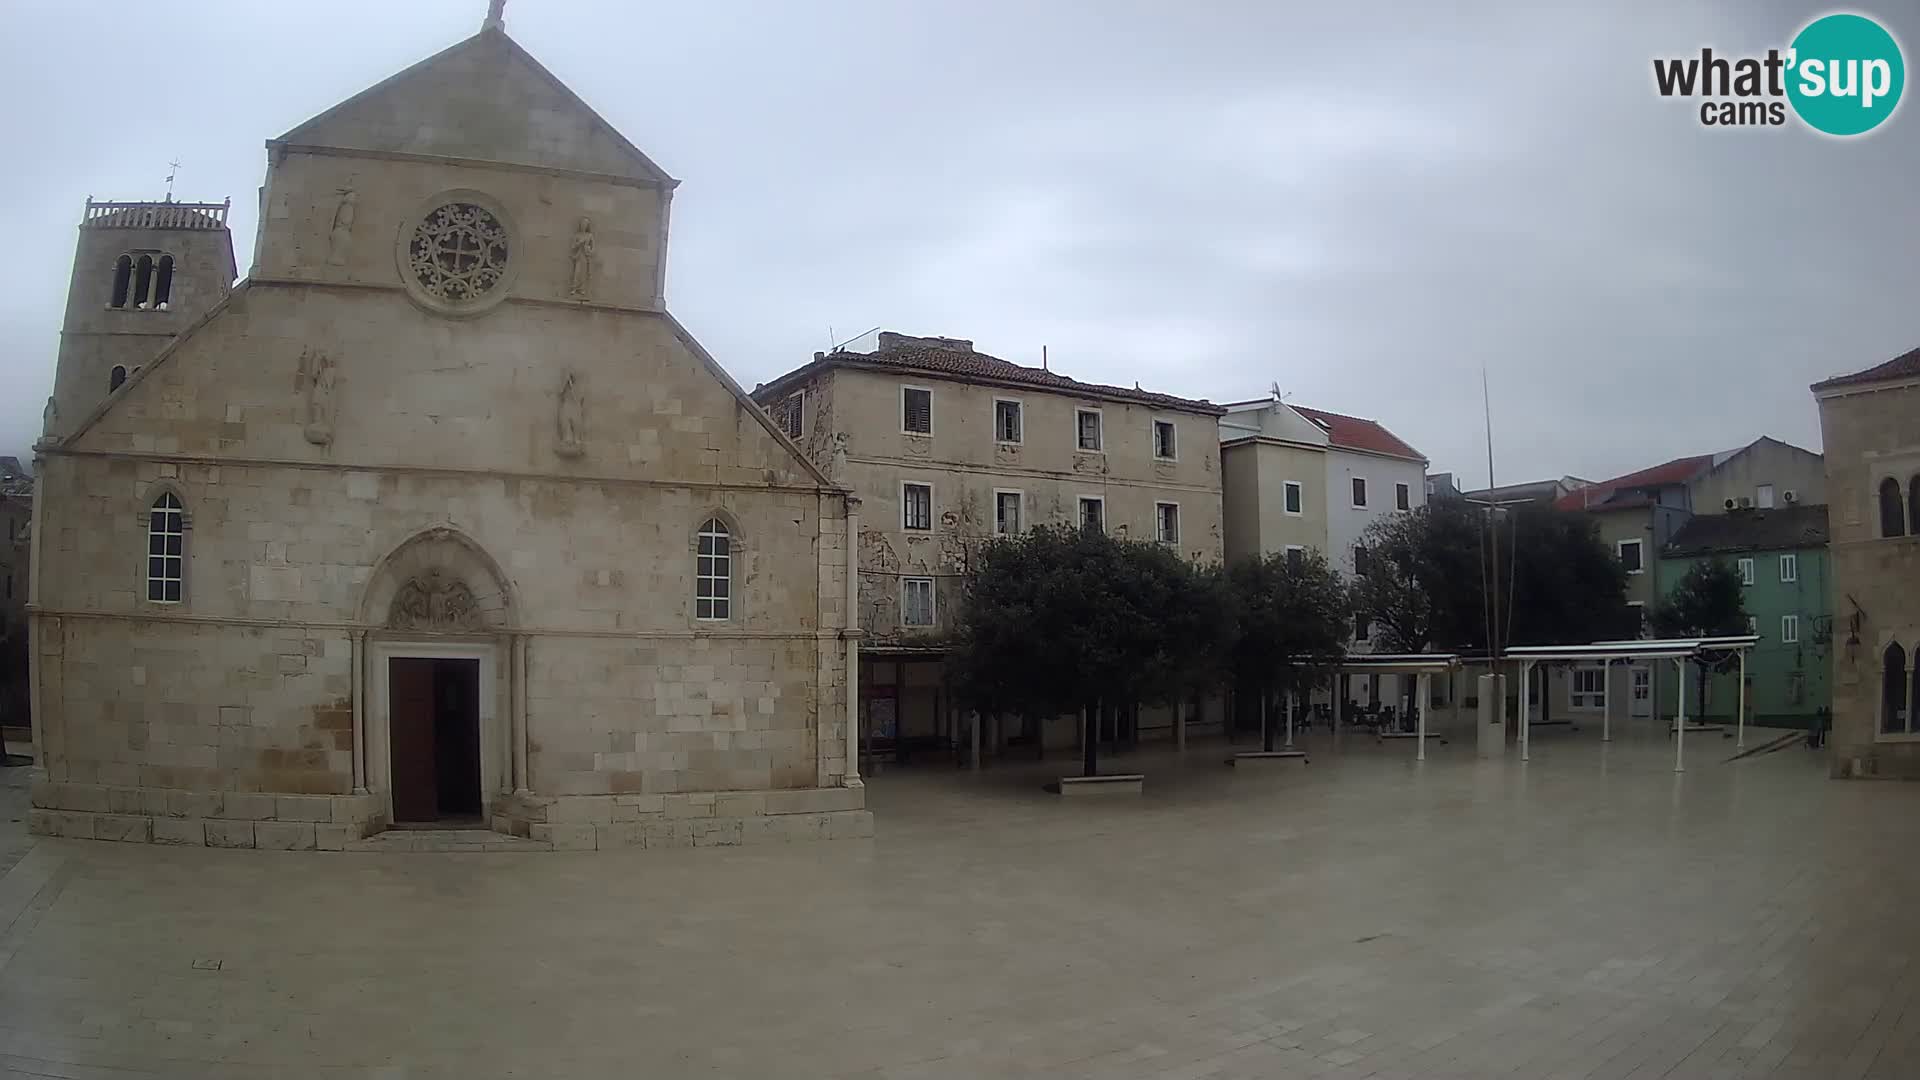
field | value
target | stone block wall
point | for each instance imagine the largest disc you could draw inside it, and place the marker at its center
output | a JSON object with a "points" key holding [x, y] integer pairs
{"points": [[1869, 434]]}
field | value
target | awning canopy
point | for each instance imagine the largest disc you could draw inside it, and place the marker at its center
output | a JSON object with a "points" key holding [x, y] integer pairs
{"points": [[1400, 663], [1639, 649]]}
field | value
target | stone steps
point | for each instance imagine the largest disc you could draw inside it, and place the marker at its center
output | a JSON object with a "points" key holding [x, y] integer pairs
{"points": [[470, 840]]}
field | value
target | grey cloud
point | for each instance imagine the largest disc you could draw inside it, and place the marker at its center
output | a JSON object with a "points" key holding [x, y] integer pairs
{"points": [[1363, 202]]}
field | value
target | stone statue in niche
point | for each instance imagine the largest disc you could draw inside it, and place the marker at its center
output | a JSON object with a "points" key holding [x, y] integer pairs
{"points": [[580, 279], [837, 467], [434, 603], [316, 380], [340, 234], [49, 416], [573, 419]]}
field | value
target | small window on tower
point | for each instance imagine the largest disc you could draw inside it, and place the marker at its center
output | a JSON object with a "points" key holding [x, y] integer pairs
{"points": [[122, 280], [163, 283], [142, 281], [115, 377]]}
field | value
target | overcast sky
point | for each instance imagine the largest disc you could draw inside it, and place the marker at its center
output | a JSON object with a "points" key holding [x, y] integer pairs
{"points": [[1364, 203]]}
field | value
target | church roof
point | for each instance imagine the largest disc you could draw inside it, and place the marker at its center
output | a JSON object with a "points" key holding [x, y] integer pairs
{"points": [[485, 98], [1904, 366]]}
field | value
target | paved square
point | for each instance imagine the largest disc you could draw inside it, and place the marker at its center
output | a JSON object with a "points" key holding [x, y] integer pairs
{"points": [[1590, 914]]}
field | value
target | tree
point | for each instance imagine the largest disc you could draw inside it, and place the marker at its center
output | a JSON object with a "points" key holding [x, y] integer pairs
{"points": [[1290, 624], [1394, 592], [1709, 600], [1567, 585], [1061, 620]]}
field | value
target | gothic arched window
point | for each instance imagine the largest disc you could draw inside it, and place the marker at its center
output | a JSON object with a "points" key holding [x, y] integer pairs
{"points": [[122, 280], [115, 377], [1894, 718], [1892, 514], [142, 281], [166, 549], [1913, 506], [713, 587]]}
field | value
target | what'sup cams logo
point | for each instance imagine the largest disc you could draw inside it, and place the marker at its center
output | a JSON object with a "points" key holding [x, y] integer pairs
{"points": [[1842, 75]]}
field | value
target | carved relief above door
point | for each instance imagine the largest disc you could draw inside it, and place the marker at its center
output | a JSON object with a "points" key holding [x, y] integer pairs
{"points": [[434, 603]]}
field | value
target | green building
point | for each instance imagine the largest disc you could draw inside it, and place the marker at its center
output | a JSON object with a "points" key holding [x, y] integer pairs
{"points": [[1781, 554]]}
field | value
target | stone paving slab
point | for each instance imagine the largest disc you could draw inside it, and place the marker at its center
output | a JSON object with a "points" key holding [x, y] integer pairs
{"points": [[1590, 915]]}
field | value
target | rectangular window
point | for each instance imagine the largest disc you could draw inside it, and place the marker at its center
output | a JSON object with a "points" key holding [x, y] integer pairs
{"points": [[916, 601], [1167, 516], [1359, 626], [1296, 557], [1746, 571], [1789, 568], [1006, 512], [1763, 496], [1293, 499], [1402, 498], [916, 507], [1753, 625], [1163, 444], [1796, 688], [1642, 684], [916, 411], [793, 415], [1006, 421], [1360, 560], [1086, 424], [1630, 555], [1790, 629], [1093, 514], [1588, 688], [1359, 491]]}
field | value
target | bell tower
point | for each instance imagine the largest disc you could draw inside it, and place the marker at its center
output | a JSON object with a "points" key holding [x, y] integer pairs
{"points": [[142, 273]]}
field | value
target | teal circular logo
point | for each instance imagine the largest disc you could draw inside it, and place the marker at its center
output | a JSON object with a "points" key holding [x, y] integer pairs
{"points": [[1845, 74]]}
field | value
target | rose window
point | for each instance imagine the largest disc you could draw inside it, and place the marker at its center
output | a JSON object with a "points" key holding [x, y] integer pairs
{"points": [[459, 253]]}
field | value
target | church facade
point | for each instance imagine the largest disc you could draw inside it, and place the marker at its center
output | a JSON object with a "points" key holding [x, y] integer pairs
{"points": [[438, 518]]}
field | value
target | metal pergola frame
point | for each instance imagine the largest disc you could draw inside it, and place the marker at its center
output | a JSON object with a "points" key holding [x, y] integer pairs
{"points": [[1423, 665], [1678, 650]]}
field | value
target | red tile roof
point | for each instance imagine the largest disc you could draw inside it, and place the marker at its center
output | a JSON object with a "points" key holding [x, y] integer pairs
{"points": [[1904, 366], [967, 364], [1355, 433], [1626, 491]]}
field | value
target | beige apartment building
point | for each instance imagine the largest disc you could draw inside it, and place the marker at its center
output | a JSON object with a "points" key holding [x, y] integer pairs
{"points": [[1870, 426], [945, 447], [439, 518]]}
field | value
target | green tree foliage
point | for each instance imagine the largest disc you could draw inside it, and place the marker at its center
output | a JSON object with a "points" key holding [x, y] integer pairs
{"points": [[1396, 593], [1427, 577], [1707, 601], [1059, 620], [1566, 585], [1291, 617]]}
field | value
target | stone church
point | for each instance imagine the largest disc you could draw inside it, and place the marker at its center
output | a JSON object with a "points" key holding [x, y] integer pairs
{"points": [[438, 518]]}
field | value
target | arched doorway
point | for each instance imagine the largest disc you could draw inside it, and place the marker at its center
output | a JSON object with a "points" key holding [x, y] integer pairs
{"points": [[438, 680]]}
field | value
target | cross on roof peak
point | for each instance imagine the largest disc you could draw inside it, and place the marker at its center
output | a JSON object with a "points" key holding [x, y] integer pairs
{"points": [[496, 15]]}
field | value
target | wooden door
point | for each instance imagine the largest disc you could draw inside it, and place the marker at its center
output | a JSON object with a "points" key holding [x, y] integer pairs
{"points": [[410, 712]]}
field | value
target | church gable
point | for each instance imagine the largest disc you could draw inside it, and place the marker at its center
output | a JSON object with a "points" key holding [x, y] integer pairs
{"points": [[366, 380], [483, 99]]}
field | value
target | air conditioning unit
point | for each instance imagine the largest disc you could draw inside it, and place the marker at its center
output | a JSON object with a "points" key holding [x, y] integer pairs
{"points": [[1729, 504], [1745, 502], [1791, 496]]}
